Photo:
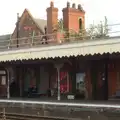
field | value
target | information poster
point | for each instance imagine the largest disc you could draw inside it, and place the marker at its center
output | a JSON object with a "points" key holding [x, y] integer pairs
{"points": [[3, 82]]}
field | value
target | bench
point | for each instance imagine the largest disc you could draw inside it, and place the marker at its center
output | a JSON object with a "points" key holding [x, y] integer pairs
{"points": [[118, 94]]}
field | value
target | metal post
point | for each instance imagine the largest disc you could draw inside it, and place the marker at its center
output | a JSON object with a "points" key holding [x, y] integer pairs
{"points": [[4, 116], [58, 71], [33, 38], [9, 42], [8, 84], [17, 27], [58, 67]]}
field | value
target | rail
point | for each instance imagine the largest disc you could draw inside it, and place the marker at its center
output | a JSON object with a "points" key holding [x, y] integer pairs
{"points": [[14, 116], [61, 37]]}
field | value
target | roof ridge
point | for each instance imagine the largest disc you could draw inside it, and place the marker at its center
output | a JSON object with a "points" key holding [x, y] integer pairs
{"points": [[5, 34], [26, 10], [39, 18]]}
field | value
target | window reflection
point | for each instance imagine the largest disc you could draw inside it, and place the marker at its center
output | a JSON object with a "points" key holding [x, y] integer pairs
{"points": [[80, 85], [65, 83]]}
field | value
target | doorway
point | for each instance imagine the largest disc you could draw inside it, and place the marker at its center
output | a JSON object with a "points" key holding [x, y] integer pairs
{"points": [[3, 83], [99, 79]]}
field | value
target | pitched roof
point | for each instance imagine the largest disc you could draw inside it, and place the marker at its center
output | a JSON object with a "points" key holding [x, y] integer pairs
{"points": [[41, 23], [4, 40], [4, 37]]}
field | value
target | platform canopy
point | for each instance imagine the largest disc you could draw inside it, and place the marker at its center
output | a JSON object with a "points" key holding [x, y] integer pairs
{"points": [[84, 47]]}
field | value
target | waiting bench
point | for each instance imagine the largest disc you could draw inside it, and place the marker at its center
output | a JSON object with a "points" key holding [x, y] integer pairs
{"points": [[117, 94]]}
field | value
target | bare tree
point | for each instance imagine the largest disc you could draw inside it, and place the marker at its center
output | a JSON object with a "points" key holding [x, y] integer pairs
{"points": [[94, 32], [98, 31], [60, 25]]}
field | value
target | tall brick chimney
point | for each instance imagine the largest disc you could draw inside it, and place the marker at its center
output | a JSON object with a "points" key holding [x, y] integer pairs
{"points": [[74, 18], [52, 17]]}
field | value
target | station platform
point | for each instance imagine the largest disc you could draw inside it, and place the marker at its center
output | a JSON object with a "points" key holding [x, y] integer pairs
{"points": [[77, 109]]}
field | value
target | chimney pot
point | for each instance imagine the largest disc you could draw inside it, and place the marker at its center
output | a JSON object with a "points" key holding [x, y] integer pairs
{"points": [[80, 7], [51, 4], [68, 4], [73, 5]]}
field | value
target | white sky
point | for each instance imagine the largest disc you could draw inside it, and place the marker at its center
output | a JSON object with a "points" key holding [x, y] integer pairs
{"points": [[95, 11]]}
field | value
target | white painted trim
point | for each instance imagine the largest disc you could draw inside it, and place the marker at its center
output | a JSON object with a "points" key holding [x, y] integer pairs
{"points": [[81, 43], [61, 103], [82, 47]]}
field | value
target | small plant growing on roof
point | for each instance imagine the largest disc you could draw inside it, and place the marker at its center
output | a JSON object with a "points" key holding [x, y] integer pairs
{"points": [[98, 31], [59, 28]]}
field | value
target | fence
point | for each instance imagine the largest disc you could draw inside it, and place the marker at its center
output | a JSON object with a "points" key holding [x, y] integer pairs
{"points": [[62, 37]]}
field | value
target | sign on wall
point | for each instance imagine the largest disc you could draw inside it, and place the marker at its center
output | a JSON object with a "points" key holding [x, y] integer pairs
{"points": [[3, 82], [2, 72]]}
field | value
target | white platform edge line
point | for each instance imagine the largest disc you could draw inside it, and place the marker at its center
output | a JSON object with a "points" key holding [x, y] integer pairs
{"points": [[61, 103]]}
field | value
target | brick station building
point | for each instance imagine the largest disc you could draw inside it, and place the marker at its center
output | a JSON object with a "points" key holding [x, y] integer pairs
{"points": [[87, 69]]}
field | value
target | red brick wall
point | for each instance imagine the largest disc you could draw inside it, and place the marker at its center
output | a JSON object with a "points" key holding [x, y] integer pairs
{"points": [[26, 28], [71, 18], [52, 18]]}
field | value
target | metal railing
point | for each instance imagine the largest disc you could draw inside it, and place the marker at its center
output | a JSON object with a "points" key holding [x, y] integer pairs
{"points": [[58, 38]]}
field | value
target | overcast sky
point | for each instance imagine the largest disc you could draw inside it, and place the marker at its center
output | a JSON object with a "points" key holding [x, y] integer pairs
{"points": [[95, 10]]}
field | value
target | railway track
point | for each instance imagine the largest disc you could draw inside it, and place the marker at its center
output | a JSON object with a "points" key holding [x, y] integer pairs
{"points": [[11, 116]]}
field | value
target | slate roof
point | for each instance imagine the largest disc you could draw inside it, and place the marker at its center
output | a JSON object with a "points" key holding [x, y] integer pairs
{"points": [[7, 36], [41, 23], [4, 40]]}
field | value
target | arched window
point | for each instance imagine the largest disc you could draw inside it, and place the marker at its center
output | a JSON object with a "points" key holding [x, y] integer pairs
{"points": [[80, 24]]}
